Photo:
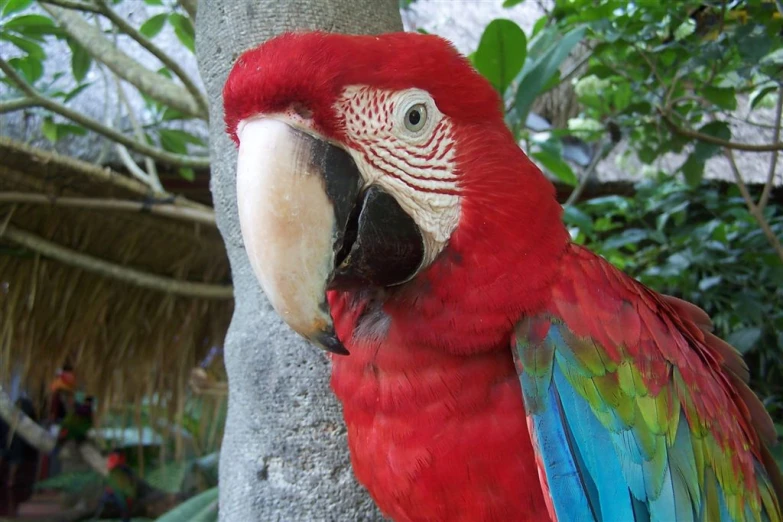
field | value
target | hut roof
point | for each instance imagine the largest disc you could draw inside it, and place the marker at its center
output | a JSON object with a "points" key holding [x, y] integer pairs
{"points": [[131, 290]]}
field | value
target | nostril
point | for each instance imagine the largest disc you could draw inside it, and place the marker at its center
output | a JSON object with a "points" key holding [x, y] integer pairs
{"points": [[302, 110]]}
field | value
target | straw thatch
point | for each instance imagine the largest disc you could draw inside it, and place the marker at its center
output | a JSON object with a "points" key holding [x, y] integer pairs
{"points": [[132, 299]]}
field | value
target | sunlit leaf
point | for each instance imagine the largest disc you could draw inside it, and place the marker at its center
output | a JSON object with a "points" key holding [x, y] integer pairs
{"points": [[501, 52], [556, 166], [195, 508], [49, 130], [81, 61], [153, 25], [183, 28], [536, 77], [31, 47], [14, 6]]}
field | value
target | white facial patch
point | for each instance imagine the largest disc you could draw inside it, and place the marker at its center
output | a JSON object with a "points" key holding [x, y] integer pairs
{"points": [[406, 145]]}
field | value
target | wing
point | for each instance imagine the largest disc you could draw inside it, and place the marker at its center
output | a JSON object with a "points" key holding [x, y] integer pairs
{"points": [[636, 411]]}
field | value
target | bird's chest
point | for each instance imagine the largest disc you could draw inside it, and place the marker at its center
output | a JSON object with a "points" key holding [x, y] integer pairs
{"points": [[438, 438]]}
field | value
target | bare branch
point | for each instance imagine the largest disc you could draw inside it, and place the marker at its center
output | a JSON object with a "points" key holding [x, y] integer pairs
{"points": [[26, 428], [601, 153], [100, 48], [74, 4], [95, 126], [158, 53], [773, 162], [732, 145], [136, 171], [152, 171], [112, 270], [17, 104], [169, 210], [190, 7], [754, 210]]}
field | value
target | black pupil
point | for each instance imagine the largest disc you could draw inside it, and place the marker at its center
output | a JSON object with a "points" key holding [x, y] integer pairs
{"points": [[414, 117]]}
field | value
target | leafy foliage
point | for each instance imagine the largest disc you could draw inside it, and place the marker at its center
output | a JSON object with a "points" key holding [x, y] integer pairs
{"points": [[658, 68]]}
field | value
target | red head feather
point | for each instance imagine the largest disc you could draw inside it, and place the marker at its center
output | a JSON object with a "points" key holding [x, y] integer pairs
{"points": [[313, 68]]}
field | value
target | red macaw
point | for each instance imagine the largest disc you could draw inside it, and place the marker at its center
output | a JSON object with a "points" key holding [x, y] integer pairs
{"points": [[489, 368]]}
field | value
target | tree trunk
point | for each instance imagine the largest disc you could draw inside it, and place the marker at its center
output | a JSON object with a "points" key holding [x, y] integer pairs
{"points": [[284, 454]]}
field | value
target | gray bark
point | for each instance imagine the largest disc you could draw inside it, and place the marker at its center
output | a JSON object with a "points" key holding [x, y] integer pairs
{"points": [[284, 454]]}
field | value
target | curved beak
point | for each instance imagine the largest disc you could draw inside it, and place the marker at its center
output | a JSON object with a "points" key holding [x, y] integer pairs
{"points": [[309, 225]]}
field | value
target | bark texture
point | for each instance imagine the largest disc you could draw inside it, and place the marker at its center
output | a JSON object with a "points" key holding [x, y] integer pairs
{"points": [[284, 455]]}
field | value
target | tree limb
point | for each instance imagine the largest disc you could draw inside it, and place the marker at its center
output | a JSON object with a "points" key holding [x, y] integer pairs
{"points": [[773, 162], [158, 53], [26, 428], [754, 210], [170, 158], [600, 154], [102, 49], [115, 271], [166, 210], [74, 4], [731, 145], [17, 104], [190, 7]]}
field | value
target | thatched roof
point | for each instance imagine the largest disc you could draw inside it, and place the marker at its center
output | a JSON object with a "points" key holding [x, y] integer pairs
{"points": [[133, 294]]}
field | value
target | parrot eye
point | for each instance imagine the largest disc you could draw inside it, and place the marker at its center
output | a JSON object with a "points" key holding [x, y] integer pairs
{"points": [[416, 117]]}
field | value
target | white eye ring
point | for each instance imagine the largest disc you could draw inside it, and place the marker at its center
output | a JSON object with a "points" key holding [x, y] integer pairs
{"points": [[416, 117]]}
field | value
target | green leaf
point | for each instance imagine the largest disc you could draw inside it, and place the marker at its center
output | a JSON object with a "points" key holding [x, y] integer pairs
{"points": [[30, 23], [75, 92], [65, 129], [536, 77], [744, 339], [725, 98], [168, 477], [501, 52], [14, 6], [49, 130], [574, 216], [693, 170], [703, 150], [81, 61], [512, 3], [174, 140], [759, 96], [153, 25], [183, 28], [188, 174], [556, 166], [29, 67], [153, 2], [31, 47], [194, 509]]}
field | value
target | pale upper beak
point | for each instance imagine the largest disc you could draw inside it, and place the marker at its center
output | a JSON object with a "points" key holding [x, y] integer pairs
{"points": [[309, 224]]}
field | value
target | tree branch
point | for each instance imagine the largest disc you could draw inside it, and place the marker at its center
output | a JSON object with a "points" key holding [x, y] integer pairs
{"points": [[119, 272], [754, 210], [773, 161], [74, 4], [600, 154], [689, 133], [158, 53], [190, 7], [168, 210], [100, 48], [26, 428], [17, 104], [170, 158]]}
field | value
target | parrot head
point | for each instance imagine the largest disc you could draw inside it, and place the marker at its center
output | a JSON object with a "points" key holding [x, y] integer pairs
{"points": [[381, 162]]}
